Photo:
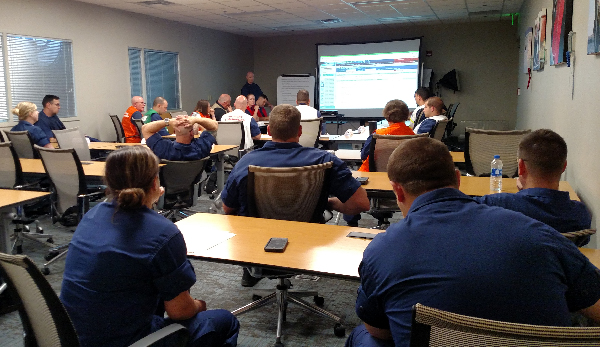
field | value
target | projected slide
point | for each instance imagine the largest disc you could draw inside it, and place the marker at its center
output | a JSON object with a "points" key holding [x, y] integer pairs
{"points": [[359, 84]]}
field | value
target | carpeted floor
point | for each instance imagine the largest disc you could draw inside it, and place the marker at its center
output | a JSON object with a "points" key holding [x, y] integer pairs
{"points": [[219, 285]]}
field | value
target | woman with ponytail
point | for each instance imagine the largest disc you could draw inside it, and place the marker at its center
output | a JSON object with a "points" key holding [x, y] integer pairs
{"points": [[28, 115], [125, 260]]}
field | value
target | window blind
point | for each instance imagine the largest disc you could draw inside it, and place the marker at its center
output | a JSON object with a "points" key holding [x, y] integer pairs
{"points": [[135, 71], [38, 67], [162, 76]]}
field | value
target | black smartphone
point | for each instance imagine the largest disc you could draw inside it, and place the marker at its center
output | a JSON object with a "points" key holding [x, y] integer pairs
{"points": [[362, 180], [276, 244], [359, 235]]}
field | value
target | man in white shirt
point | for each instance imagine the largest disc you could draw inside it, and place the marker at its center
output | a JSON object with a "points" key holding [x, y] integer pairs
{"points": [[306, 111], [251, 128], [417, 115], [432, 109]]}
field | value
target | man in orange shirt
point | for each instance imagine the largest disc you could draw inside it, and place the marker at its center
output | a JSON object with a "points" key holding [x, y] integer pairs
{"points": [[133, 112]]}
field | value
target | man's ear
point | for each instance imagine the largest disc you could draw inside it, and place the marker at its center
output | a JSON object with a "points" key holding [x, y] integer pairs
{"points": [[269, 130], [300, 131], [399, 191], [523, 168], [564, 166]]}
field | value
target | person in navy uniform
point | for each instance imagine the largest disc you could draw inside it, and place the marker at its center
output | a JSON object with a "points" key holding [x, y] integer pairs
{"points": [[28, 115], [48, 118]]}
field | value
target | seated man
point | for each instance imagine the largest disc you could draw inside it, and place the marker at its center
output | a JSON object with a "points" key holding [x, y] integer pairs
{"points": [[434, 107], [285, 151], [454, 254], [250, 126], [158, 106], [307, 111], [222, 106], [185, 147], [542, 159], [417, 115], [48, 118], [133, 112]]}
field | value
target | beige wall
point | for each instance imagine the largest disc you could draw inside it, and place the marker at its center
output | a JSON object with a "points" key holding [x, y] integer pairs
{"points": [[211, 62], [484, 54], [548, 103]]}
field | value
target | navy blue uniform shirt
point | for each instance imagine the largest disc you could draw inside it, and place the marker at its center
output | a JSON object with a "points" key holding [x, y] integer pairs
{"points": [[172, 150], [37, 134], [47, 124]]}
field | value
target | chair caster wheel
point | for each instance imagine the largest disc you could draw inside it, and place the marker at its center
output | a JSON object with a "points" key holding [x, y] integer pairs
{"points": [[51, 254], [46, 271], [339, 330], [319, 300], [50, 240], [256, 297], [19, 249], [278, 344]]}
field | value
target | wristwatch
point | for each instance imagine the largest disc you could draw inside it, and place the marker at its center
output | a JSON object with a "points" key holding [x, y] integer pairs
{"points": [[166, 122]]}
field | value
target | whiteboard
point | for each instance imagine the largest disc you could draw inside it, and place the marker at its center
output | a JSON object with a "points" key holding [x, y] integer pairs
{"points": [[288, 86]]}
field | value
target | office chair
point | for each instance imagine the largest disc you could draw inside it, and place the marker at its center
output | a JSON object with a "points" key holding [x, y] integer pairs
{"points": [[181, 182], [138, 124], [22, 143], [232, 133], [71, 195], [438, 130], [11, 177], [3, 136], [45, 320], [296, 194], [384, 204], [436, 328], [118, 127], [73, 138], [448, 139], [482, 145], [311, 128]]}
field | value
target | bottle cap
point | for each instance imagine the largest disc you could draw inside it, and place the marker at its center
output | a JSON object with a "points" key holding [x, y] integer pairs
{"points": [[496, 156]]}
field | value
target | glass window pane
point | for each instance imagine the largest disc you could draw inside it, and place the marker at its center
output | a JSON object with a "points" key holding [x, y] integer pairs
{"points": [[135, 71], [38, 67], [162, 76]]}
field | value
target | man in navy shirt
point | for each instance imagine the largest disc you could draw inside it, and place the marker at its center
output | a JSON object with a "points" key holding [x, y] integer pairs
{"points": [[252, 88], [285, 151], [48, 119], [432, 110], [185, 147], [454, 254], [542, 160]]}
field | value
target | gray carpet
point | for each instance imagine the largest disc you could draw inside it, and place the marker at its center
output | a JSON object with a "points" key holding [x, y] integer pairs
{"points": [[219, 285]]}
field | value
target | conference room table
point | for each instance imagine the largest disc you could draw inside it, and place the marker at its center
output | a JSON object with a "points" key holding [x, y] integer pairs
{"points": [[265, 137], [217, 150], [10, 198], [470, 185], [354, 155]]}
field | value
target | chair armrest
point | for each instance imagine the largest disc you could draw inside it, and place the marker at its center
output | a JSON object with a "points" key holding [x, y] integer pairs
{"points": [[169, 330]]}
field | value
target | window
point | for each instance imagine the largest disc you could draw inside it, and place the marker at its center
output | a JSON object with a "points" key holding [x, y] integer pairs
{"points": [[160, 70], [36, 67]]}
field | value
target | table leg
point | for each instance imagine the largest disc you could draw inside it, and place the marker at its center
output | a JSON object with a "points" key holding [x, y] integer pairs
{"points": [[220, 171], [7, 216]]}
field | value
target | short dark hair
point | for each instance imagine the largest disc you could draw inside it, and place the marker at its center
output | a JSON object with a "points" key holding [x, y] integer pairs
{"points": [[159, 100], [49, 98], [436, 102], [421, 165], [424, 93], [284, 122], [302, 95], [129, 174], [544, 153], [396, 111]]}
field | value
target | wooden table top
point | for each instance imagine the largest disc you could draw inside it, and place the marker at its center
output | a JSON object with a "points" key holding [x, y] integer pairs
{"points": [[470, 185], [313, 248], [12, 197], [112, 146], [266, 137], [90, 168], [593, 255], [354, 154]]}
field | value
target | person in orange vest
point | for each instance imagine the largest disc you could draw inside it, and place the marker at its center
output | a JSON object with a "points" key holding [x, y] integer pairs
{"points": [[133, 112]]}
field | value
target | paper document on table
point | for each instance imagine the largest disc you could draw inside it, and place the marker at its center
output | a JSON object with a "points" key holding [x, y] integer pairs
{"points": [[205, 239]]}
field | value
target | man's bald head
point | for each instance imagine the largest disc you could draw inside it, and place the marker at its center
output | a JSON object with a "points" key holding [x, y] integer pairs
{"points": [[241, 103], [138, 103]]}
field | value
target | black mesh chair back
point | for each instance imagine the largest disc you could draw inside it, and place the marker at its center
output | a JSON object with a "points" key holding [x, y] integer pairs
{"points": [[288, 193], [436, 328], [73, 138], [231, 133], [67, 176], [118, 127], [22, 143], [3, 136], [44, 318], [382, 147], [438, 130], [311, 128], [482, 145], [138, 124], [11, 174], [179, 179]]}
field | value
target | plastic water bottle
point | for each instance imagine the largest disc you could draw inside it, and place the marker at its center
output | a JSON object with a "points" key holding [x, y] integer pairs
{"points": [[496, 175]]}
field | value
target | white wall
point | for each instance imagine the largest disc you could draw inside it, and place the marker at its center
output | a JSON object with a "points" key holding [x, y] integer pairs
{"points": [[211, 62], [484, 54], [548, 103]]}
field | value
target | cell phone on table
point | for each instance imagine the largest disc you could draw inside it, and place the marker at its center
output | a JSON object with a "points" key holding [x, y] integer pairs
{"points": [[362, 180], [276, 244]]}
